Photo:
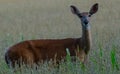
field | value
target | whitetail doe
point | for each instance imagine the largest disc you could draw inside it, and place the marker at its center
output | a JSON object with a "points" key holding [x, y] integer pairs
{"points": [[35, 51]]}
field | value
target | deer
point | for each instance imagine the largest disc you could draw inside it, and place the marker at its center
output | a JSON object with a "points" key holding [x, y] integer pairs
{"points": [[32, 52]]}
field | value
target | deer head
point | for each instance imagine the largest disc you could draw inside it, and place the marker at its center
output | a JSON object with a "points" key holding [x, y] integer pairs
{"points": [[84, 16]]}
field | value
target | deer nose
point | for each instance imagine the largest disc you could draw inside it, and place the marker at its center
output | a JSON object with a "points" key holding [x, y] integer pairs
{"points": [[86, 22]]}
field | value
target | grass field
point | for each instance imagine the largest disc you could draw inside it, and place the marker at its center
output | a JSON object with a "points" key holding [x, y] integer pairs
{"points": [[52, 19]]}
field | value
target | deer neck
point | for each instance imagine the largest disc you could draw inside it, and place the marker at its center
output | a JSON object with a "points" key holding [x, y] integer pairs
{"points": [[86, 38]]}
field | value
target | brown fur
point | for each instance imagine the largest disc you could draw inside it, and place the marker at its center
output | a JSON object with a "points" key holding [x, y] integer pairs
{"points": [[35, 51]]}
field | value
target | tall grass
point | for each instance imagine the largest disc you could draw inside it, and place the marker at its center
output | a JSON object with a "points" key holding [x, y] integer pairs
{"points": [[114, 60], [70, 67]]}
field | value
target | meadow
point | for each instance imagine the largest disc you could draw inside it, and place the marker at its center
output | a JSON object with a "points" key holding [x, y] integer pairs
{"points": [[52, 19]]}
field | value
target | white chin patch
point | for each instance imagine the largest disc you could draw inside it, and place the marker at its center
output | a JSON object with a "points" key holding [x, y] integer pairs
{"points": [[88, 27]]}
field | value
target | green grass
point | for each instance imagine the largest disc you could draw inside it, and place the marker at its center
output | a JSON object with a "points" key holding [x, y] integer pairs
{"points": [[114, 61], [52, 19]]}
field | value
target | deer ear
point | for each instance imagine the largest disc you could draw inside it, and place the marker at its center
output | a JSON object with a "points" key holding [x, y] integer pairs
{"points": [[94, 9], [74, 9]]}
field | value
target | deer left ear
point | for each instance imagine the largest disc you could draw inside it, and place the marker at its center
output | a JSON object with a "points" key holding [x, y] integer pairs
{"points": [[74, 10], [94, 9]]}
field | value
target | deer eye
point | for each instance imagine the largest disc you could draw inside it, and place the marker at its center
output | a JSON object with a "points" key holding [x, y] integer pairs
{"points": [[80, 15], [89, 15]]}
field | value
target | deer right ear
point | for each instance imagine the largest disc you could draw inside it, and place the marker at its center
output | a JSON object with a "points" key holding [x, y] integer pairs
{"points": [[74, 9]]}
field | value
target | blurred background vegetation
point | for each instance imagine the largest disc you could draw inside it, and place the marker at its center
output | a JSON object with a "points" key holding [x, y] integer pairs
{"points": [[52, 19]]}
